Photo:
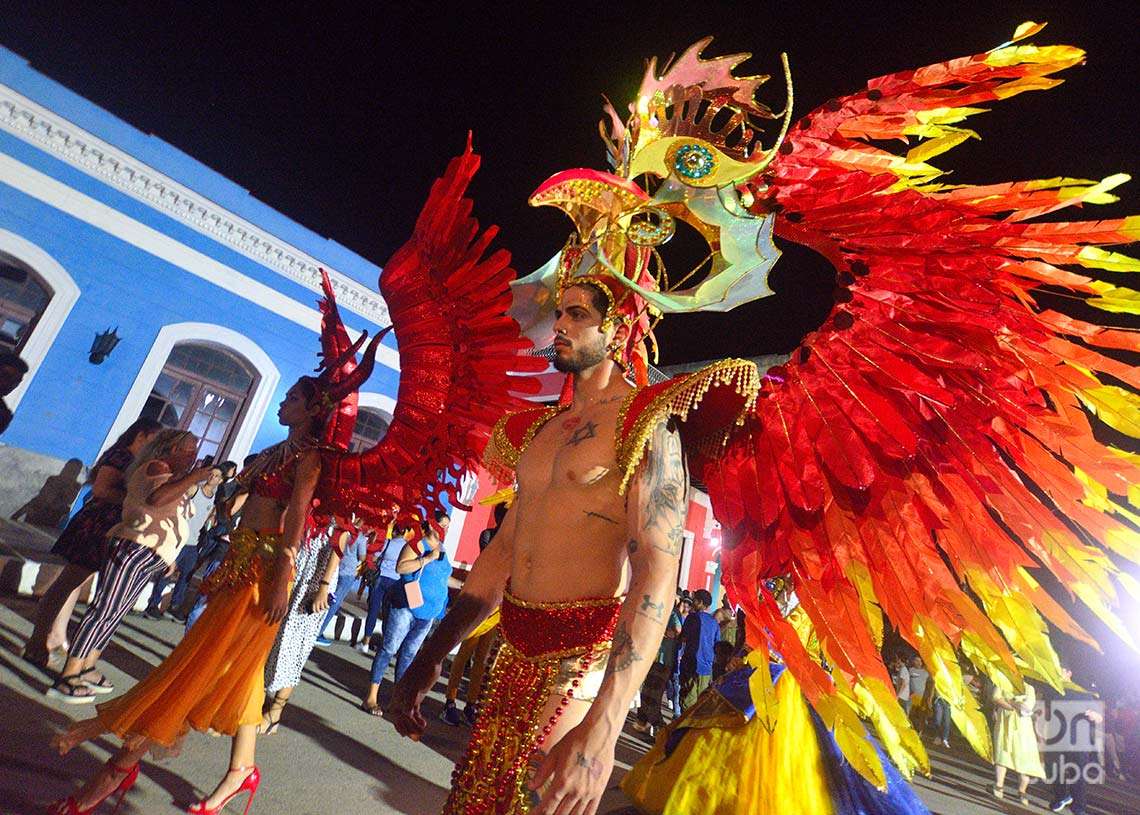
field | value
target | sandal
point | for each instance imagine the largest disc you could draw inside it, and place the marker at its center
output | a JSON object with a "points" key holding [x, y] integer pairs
{"points": [[372, 710], [71, 690], [269, 724], [103, 685]]}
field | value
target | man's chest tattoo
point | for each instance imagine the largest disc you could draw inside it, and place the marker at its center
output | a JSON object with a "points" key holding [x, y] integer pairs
{"points": [[587, 431]]}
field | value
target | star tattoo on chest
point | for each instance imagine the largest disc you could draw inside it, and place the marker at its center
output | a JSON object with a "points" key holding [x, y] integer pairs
{"points": [[587, 431]]}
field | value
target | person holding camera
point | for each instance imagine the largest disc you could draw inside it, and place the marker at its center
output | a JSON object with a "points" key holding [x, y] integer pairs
{"points": [[202, 498]]}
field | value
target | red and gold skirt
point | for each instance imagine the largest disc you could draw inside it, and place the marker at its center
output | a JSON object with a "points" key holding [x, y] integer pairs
{"points": [[550, 653]]}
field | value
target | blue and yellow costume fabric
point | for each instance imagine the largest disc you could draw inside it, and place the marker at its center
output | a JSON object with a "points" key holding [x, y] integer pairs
{"points": [[720, 759]]}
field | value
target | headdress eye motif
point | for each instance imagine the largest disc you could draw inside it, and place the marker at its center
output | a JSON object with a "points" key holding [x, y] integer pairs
{"points": [[692, 161], [650, 227]]}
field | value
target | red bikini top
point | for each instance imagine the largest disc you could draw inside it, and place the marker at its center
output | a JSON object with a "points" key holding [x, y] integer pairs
{"points": [[275, 484], [272, 474]]}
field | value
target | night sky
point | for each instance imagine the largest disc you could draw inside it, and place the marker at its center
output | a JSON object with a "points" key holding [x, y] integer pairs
{"points": [[341, 119]]}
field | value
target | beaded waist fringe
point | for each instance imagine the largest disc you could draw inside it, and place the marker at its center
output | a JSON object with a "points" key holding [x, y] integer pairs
{"points": [[248, 561], [547, 651]]}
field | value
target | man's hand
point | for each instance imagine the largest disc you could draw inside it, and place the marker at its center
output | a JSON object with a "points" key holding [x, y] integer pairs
{"points": [[575, 772], [404, 705]]}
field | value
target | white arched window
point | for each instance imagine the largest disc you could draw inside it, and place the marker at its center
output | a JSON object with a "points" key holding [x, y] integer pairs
{"points": [[203, 389], [23, 299], [371, 425], [205, 378], [374, 414], [36, 295]]}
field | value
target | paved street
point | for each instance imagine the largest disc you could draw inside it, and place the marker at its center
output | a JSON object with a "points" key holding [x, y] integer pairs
{"points": [[328, 757]]}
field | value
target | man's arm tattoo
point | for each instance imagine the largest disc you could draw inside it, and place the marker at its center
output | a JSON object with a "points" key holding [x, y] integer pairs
{"points": [[666, 482], [654, 610], [592, 766], [623, 653]]}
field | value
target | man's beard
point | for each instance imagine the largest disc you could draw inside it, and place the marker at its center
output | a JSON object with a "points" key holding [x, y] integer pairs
{"points": [[579, 360]]}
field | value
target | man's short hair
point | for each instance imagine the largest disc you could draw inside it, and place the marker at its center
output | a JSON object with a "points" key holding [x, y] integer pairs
{"points": [[10, 359], [226, 466], [702, 596]]}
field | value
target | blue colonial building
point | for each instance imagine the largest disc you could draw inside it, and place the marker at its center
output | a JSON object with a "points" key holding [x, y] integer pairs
{"points": [[212, 293]]}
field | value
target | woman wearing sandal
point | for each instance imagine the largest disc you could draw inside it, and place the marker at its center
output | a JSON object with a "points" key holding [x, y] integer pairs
{"points": [[213, 680], [83, 544], [317, 564], [144, 544]]}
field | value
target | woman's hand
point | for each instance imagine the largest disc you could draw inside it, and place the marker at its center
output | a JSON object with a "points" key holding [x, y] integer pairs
{"points": [[276, 604], [322, 599], [200, 474]]}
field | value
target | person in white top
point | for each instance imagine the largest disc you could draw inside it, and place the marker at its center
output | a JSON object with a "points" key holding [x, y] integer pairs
{"points": [[156, 514], [202, 499], [900, 674]]}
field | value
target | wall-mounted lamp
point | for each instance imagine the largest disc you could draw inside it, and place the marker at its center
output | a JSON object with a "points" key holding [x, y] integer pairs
{"points": [[103, 346]]}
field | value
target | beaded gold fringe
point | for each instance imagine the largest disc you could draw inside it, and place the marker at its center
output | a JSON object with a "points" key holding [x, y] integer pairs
{"points": [[679, 400]]}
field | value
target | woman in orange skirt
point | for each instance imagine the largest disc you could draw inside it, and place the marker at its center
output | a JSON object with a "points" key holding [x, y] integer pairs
{"points": [[214, 679]]}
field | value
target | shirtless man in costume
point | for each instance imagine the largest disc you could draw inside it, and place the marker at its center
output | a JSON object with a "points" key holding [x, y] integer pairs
{"points": [[571, 534]]}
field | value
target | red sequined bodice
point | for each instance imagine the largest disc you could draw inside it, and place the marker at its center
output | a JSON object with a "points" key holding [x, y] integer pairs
{"points": [[275, 484], [272, 473]]}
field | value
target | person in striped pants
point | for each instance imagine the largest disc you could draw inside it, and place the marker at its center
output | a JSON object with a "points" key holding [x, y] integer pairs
{"points": [[145, 544]]}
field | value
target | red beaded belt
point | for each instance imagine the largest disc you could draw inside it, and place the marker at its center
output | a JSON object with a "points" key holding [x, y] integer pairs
{"points": [[547, 648], [557, 630]]}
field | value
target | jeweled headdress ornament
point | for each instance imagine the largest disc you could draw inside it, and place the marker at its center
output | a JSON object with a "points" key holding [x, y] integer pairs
{"points": [[693, 135]]}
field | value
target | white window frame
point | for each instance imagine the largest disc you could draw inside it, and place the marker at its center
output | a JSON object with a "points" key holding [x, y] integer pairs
{"points": [[64, 293], [257, 403]]}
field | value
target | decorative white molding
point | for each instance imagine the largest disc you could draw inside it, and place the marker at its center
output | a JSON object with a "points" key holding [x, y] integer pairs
{"points": [[64, 293], [45, 129], [55, 193], [256, 405], [687, 542]]}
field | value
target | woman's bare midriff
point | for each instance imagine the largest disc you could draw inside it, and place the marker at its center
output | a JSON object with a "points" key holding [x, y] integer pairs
{"points": [[261, 514]]}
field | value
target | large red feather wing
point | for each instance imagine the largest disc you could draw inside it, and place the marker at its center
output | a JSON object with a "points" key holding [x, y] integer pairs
{"points": [[928, 446], [461, 356]]}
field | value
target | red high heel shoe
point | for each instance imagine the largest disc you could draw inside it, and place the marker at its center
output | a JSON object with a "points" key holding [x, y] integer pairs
{"points": [[68, 806], [249, 785]]}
